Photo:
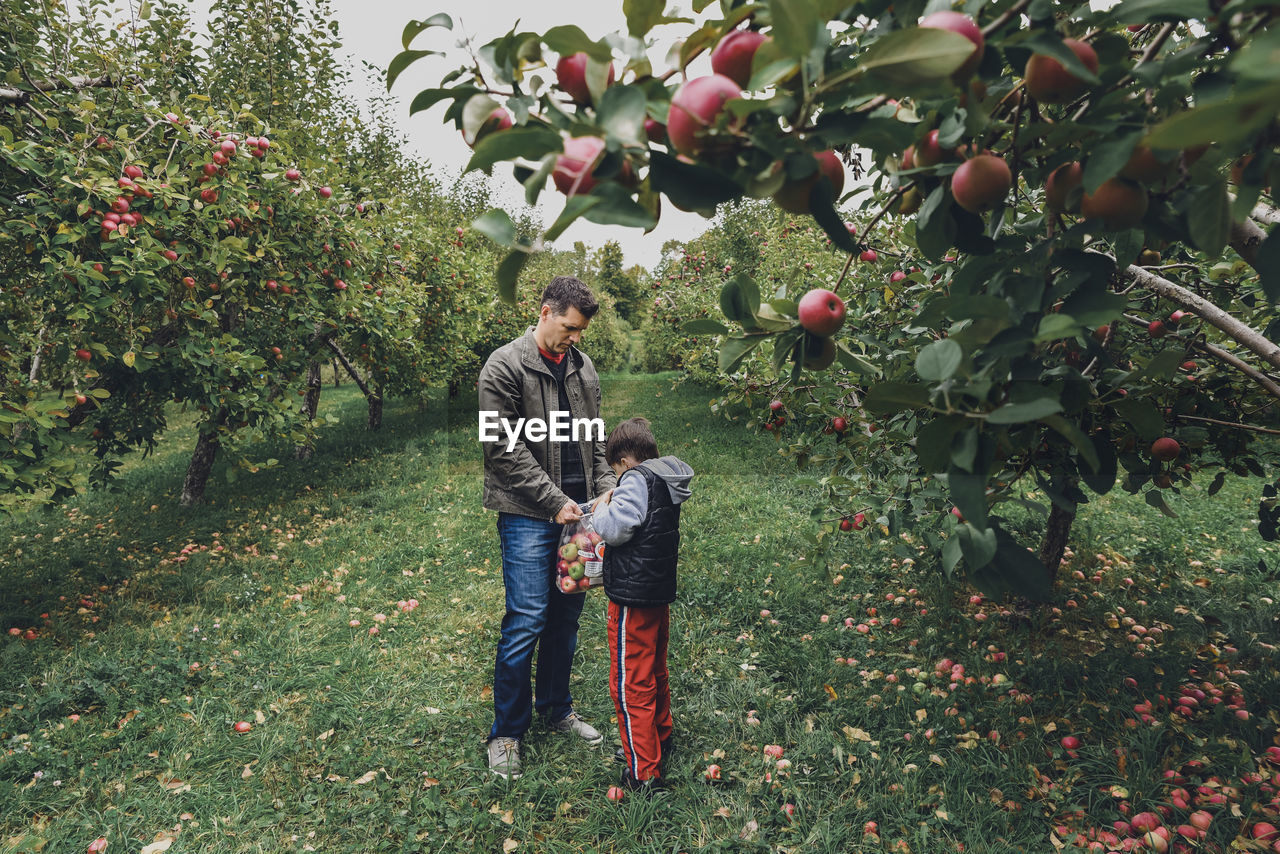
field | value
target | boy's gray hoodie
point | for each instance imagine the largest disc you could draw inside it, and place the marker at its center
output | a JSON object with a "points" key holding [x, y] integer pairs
{"points": [[617, 521]]}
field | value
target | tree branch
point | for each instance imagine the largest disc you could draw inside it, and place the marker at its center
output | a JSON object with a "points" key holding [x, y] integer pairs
{"points": [[1239, 364], [1250, 427], [1246, 237], [337, 351], [1265, 214], [1259, 344], [23, 96]]}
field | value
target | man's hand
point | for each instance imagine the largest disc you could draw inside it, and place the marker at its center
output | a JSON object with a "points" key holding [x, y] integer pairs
{"points": [[570, 512], [603, 499]]}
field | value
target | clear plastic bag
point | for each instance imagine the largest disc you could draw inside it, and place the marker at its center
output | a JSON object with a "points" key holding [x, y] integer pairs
{"points": [[580, 562]]}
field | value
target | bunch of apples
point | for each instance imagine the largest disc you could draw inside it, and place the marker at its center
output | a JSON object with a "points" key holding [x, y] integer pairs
{"points": [[571, 569]]}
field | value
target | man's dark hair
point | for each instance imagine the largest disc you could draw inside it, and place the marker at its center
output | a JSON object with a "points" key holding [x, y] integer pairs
{"points": [[632, 438], [566, 291]]}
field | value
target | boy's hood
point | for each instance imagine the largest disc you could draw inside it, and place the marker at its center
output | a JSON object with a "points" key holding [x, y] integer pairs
{"points": [[675, 472]]}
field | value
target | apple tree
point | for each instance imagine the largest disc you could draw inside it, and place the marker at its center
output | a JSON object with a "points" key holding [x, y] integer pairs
{"points": [[1084, 194]]}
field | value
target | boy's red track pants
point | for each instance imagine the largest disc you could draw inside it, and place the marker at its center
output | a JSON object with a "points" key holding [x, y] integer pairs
{"points": [[639, 685]]}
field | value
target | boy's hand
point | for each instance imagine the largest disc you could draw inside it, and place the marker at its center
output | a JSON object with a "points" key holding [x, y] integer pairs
{"points": [[603, 499]]}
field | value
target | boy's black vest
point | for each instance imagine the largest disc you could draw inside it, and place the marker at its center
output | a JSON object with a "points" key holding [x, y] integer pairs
{"points": [[642, 571]]}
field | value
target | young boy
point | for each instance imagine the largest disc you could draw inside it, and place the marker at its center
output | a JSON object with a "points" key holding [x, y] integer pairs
{"points": [[640, 524]]}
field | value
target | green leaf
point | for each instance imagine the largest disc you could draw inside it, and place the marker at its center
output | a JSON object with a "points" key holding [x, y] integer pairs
{"points": [[689, 186], [622, 114], [935, 227], [532, 142], [498, 227], [403, 60], [475, 112], [569, 39], [642, 15], [616, 207], [1073, 434], [795, 26], [428, 98], [1209, 218], [822, 209], [1108, 158], [1143, 416], [734, 350], [740, 299], [1269, 266], [1260, 58], [1054, 326], [575, 207], [938, 361], [509, 274], [412, 28], [1020, 413], [705, 326], [851, 361], [144, 11], [1018, 570], [969, 493], [1229, 121], [977, 545], [1104, 478], [933, 442], [1147, 11], [915, 56], [1156, 500], [889, 397]]}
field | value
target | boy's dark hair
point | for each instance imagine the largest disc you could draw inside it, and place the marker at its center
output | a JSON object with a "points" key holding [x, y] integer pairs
{"points": [[566, 291], [632, 438]]}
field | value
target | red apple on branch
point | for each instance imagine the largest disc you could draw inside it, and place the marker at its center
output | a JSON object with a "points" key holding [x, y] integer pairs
{"points": [[981, 183], [571, 77], [695, 107], [733, 54], [1050, 83], [960, 23], [821, 312], [572, 173]]}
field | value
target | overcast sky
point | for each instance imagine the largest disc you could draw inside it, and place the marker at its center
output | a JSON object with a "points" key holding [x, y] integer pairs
{"points": [[371, 30]]}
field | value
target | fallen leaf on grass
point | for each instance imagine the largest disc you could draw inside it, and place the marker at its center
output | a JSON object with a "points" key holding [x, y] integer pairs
{"points": [[322, 736], [722, 812], [509, 845], [259, 716], [831, 692], [367, 777], [247, 772], [506, 816], [431, 710], [172, 784], [428, 782], [855, 734], [162, 843]]}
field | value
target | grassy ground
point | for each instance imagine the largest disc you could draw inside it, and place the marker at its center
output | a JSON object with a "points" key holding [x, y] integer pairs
{"points": [[165, 626]]}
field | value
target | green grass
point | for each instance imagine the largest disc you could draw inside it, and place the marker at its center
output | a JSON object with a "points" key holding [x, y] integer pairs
{"points": [[373, 742]]}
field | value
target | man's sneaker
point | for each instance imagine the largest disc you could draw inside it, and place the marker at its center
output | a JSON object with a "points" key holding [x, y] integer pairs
{"points": [[576, 725], [504, 757]]}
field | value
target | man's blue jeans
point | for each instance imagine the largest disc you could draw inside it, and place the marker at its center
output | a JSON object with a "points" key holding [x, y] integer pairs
{"points": [[538, 614]]}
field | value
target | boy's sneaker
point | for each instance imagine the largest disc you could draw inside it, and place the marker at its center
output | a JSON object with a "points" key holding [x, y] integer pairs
{"points": [[504, 757], [644, 787], [571, 723]]}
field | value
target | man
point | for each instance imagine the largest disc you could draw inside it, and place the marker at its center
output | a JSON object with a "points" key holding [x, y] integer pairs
{"points": [[537, 487]]}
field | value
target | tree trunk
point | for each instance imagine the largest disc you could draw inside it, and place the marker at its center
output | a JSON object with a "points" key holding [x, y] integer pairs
{"points": [[312, 405], [202, 461], [1056, 532], [337, 380], [375, 408]]}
